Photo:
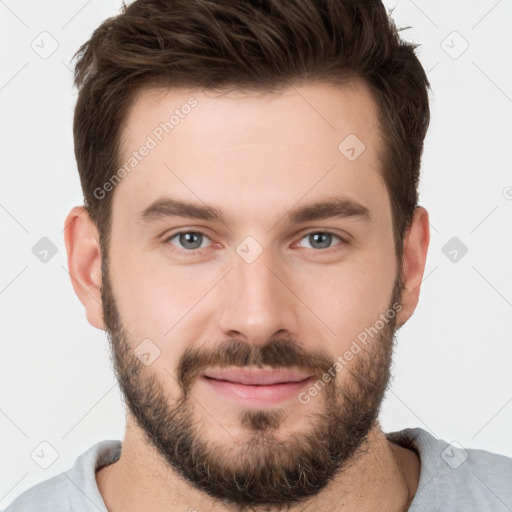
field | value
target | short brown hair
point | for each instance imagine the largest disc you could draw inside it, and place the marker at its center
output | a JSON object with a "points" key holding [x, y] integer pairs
{"points": [[250, 45]]}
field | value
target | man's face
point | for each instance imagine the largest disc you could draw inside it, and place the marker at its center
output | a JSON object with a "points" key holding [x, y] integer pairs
{"points": [[260, 288]]}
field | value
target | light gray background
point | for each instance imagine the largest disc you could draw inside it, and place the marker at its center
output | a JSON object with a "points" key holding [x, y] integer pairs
{"points": [[452, 371]]}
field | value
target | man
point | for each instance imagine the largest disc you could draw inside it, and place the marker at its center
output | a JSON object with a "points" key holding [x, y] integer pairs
{"points": [[251, 241]]}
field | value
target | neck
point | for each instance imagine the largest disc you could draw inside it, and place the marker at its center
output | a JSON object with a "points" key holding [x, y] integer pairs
{"points": [[382, 476]]}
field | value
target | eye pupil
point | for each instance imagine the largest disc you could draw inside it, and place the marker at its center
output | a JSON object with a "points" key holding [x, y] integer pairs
{"points": [[188, 238], [317, 237]]}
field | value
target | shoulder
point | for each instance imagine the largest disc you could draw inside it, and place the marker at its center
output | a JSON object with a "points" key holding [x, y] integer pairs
{"points": [[73, 490], [45, 496], [451, 475]]}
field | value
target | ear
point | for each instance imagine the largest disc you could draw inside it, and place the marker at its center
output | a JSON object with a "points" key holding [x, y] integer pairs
{"points": [[84, 262], [416, 241]]}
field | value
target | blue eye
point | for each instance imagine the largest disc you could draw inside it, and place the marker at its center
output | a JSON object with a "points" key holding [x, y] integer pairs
{"points": [[190, 243], [321, 239], [189, 240]]}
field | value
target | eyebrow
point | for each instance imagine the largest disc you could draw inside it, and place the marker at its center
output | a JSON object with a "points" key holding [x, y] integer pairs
{"points": [[333, 207]]}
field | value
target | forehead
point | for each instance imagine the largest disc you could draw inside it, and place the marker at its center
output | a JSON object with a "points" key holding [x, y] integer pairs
{"points": [[251, 153]]}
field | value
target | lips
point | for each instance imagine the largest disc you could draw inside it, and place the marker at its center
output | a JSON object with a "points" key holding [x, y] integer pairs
{"points": [[256, 377], [256, 388]]}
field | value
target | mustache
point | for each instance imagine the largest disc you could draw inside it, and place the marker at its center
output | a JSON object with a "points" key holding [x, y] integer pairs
{"points": [[283, 353]]}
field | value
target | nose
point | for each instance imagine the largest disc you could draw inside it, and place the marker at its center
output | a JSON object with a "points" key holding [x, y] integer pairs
{"points": [[258, 300]]}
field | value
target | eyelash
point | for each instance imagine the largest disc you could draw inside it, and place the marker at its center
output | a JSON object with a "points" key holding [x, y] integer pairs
{"points": [[198, 252]]}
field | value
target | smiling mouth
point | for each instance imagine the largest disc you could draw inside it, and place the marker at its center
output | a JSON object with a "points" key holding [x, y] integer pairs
{"points": [[256, 388]]}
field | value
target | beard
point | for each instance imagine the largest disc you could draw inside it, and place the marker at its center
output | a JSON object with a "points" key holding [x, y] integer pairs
{"points": [[265, 470]]}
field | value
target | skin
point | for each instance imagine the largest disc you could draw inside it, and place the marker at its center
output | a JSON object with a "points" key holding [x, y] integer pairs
{"points": [[254, 157]]}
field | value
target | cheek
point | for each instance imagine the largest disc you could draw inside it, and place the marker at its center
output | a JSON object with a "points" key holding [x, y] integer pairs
{"points": [[349, 297], [157, 300]]}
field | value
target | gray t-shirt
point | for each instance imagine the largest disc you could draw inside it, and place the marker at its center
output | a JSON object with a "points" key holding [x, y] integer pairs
{"points": [[451, 479]]}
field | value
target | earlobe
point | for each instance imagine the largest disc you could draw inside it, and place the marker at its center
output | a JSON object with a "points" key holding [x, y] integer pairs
{"points": [[416, 242], [84, 262]]}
